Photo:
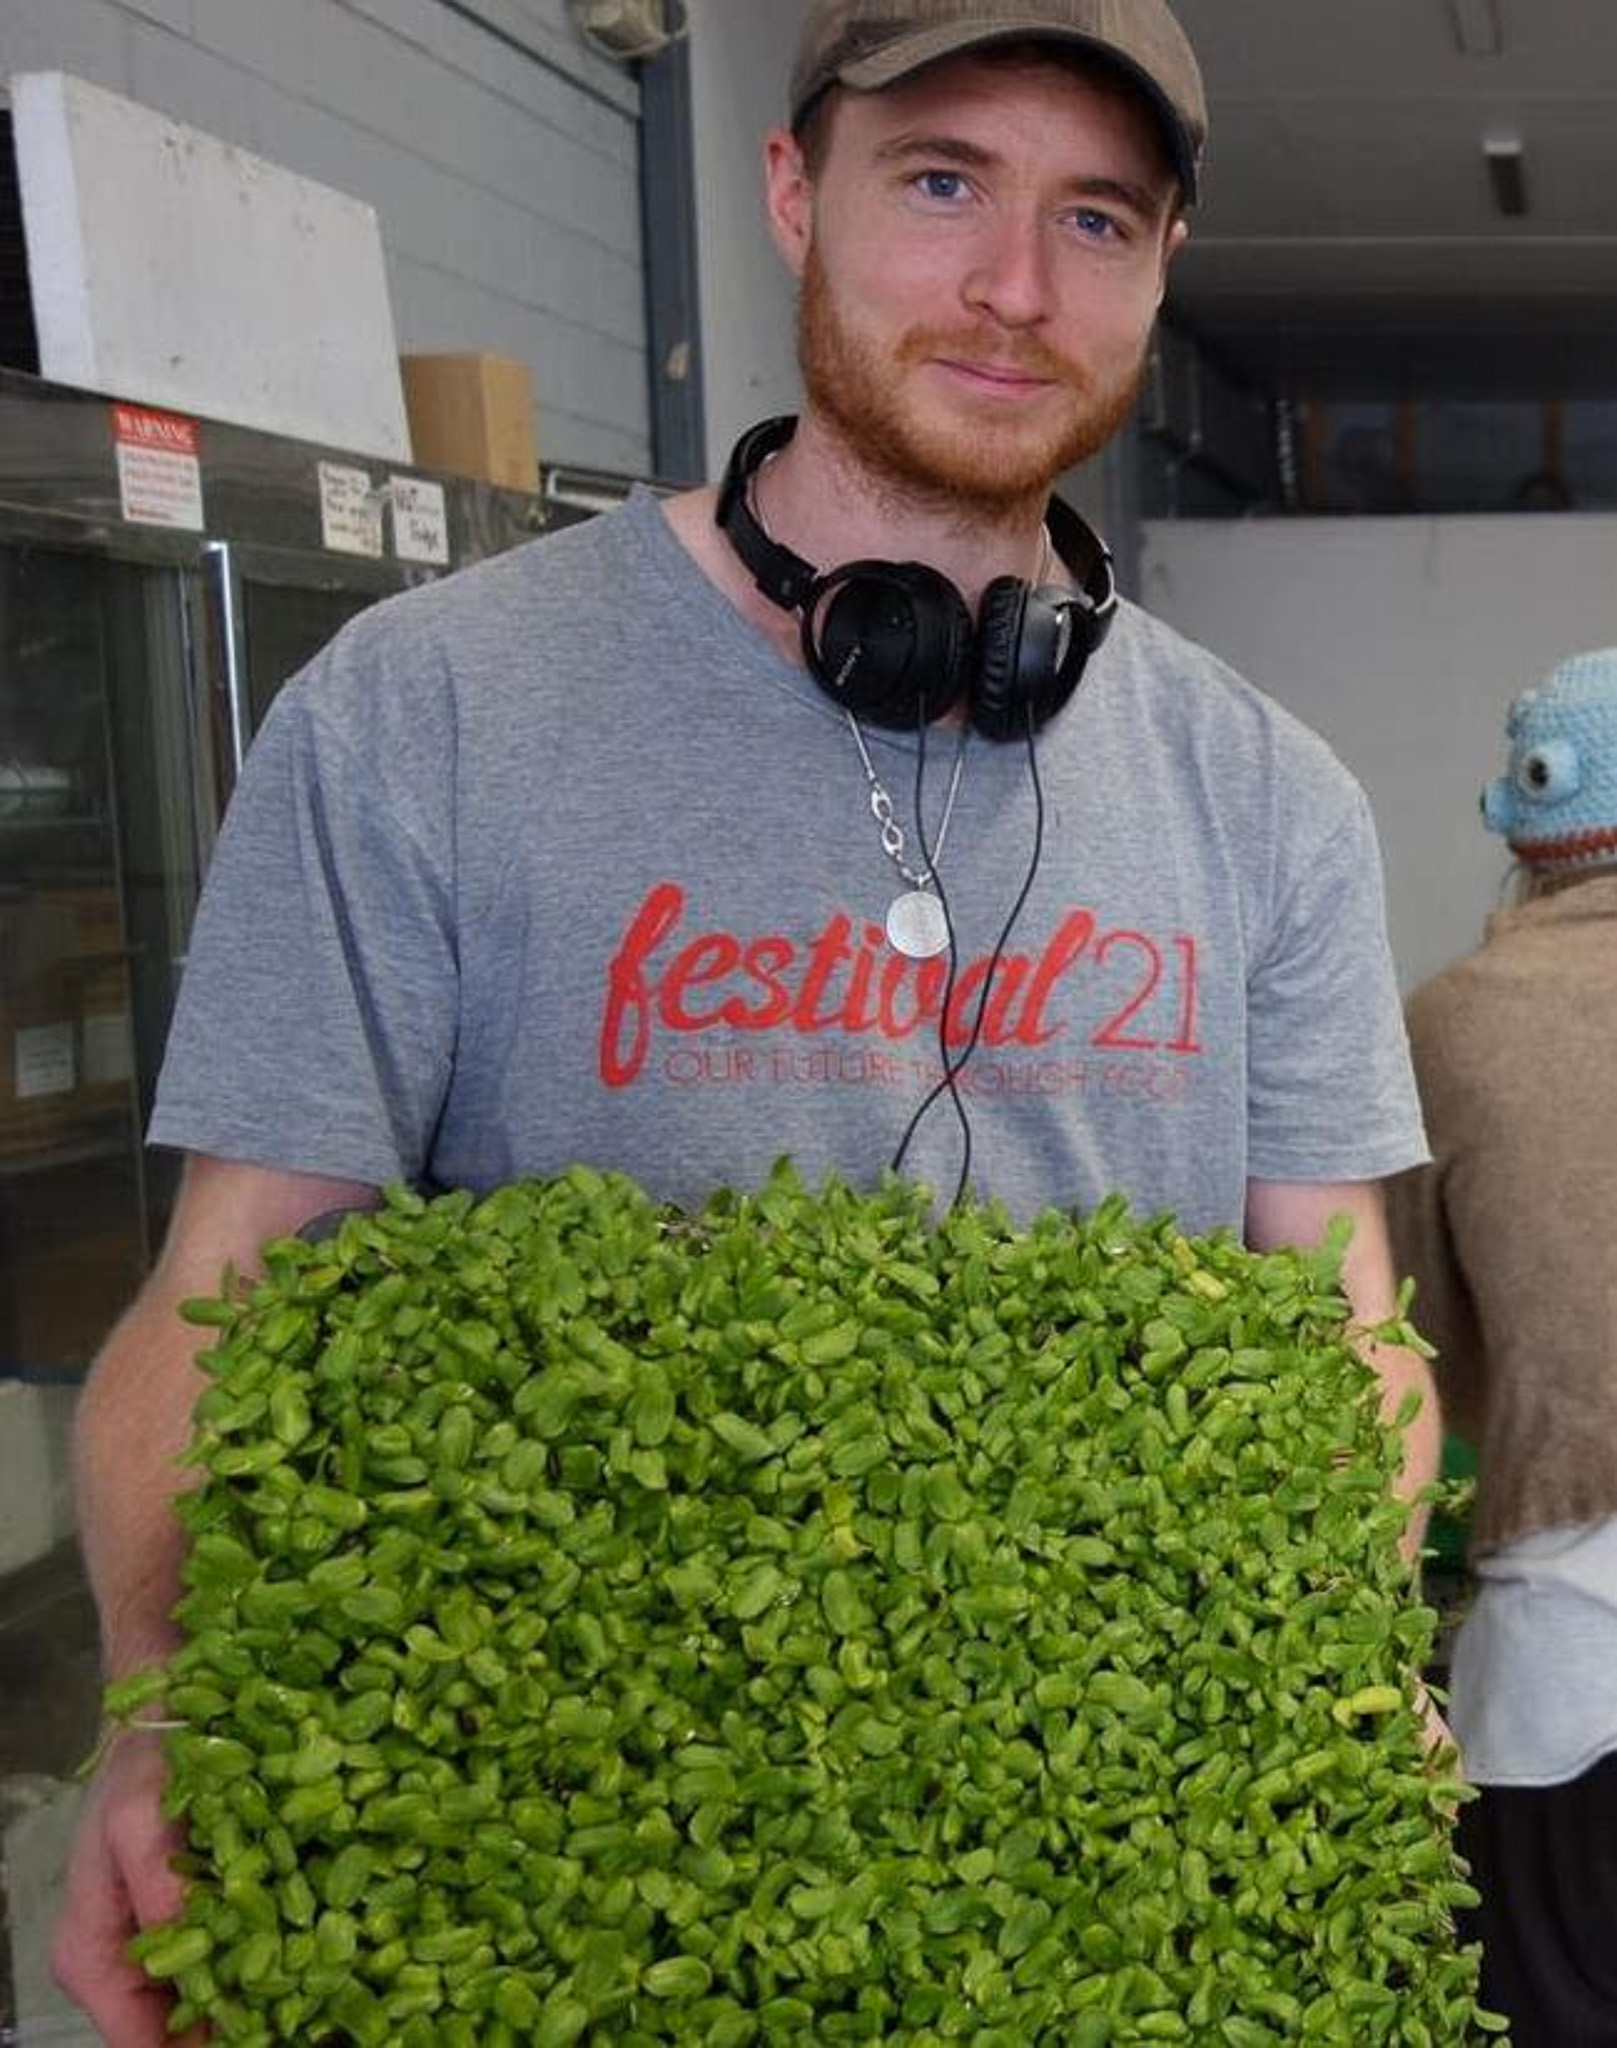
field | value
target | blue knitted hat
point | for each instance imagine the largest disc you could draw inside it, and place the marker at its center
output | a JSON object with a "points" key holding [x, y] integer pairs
{"points": [[1557, 801]]}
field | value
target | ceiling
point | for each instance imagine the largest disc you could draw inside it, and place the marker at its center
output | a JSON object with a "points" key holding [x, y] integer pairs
{"points": [[1349, 244]]}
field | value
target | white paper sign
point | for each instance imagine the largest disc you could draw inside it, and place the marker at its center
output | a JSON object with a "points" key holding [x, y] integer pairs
{"points": [[159, 476], [350, 510], [43, 1062], [420, 522]]}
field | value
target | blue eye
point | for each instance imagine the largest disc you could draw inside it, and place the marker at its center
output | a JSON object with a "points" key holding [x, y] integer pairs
{"points": [[1098, 226], [1549, 771], [941, 184]]}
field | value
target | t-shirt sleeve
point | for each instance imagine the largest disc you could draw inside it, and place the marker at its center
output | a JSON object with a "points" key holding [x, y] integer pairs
{"points": [[315, 1025], [1330, 1087]]}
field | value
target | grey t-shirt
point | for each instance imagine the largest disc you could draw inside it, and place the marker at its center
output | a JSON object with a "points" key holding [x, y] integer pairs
{"points": [[557, 859]]}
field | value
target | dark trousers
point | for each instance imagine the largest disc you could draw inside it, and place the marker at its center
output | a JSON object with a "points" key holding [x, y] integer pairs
{"points": [[1545, 1861]]}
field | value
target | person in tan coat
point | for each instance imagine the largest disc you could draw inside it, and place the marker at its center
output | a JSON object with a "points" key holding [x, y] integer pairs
{"points": [[1511, 1235]]}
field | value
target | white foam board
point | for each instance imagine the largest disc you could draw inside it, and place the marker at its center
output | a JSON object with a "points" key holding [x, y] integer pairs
{"points": [[169, 267]]}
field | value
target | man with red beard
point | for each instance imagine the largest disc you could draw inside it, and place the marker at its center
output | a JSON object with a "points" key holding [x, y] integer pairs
{"points": [[842, 810]]}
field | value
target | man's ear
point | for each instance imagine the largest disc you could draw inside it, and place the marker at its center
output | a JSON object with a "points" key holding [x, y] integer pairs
{"points": [[788, 198]]}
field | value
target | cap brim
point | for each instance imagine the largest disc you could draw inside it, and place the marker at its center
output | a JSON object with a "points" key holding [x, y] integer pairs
{"points": [[909, 54]]}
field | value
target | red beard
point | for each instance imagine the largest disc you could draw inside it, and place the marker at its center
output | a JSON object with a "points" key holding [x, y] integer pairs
{"points": [[860, 389]]}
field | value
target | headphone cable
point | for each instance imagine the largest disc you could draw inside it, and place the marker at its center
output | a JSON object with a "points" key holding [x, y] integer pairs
{"points": [[949, 1082]]}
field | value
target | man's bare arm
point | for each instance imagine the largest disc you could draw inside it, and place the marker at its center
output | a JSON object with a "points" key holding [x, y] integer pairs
{"points": [[135, 1412], [1297, 1213]]}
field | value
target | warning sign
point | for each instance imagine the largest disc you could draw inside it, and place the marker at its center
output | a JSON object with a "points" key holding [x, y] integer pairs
{"points": [[159, 476]]}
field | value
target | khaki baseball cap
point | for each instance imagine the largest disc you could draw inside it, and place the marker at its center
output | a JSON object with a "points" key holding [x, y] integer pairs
{"points": [[868, 44]]}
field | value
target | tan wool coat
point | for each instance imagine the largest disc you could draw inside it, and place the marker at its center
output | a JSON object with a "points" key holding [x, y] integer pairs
{"points": [[1511, 1232]]}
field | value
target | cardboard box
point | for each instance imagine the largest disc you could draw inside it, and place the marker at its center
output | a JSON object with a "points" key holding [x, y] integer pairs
{"points": [[473, 415], [94, 919], [66, 1050], [42, 930], [68, 1293]]}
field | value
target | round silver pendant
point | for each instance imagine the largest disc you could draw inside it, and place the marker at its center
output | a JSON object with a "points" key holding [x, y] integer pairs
{"points": [[916, 925]]}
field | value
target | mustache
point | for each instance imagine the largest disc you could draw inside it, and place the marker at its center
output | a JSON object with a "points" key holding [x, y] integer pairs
{"points": [[1026, 357]]}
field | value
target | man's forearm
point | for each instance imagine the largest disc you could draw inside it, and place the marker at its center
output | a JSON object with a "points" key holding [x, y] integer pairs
{"points": [[135, 1413], [133, 1421], [1402, 1372]]}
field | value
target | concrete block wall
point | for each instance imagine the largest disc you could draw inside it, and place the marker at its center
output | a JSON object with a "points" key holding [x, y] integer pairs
{"points": [[740, 59], [500, 153]]}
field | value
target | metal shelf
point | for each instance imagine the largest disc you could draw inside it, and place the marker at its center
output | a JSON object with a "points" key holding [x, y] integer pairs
{"points": [[59, 821], [13, 1165]]}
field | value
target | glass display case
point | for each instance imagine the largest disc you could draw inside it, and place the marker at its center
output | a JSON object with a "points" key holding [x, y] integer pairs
{"points": [[100, 855], [147, 618]]}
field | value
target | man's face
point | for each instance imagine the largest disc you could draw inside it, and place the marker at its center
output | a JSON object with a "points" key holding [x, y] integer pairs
{"points": [[981, 258]]}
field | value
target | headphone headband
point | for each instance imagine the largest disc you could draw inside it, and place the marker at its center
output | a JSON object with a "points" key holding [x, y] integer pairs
{"points": [[784, 578], [918, 659]]}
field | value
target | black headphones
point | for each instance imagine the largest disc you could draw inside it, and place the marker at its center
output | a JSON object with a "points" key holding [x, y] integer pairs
{"points": [[894, 642]]}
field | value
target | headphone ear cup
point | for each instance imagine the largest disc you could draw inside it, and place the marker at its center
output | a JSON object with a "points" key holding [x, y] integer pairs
{"points": [[890, 641], [1032, 645], [998, 688]]}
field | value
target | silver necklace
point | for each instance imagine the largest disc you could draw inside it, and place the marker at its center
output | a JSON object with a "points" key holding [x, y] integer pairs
{"points": [[916, 924]]}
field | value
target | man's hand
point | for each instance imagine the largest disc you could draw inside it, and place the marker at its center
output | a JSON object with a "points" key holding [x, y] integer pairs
{"points": [[119, 1881], [1442, 1751]]}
